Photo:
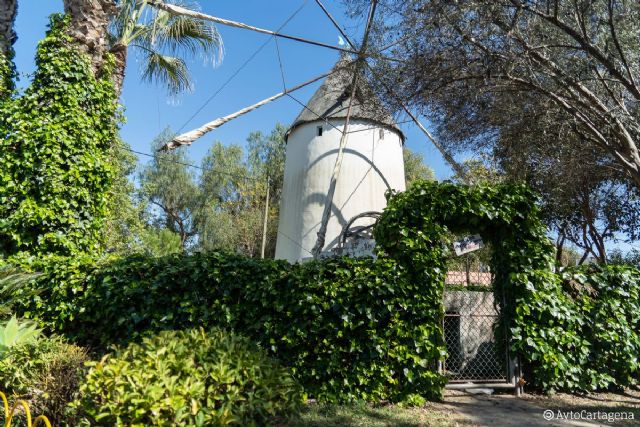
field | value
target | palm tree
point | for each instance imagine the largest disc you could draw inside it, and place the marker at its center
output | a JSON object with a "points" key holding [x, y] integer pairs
{"points": [[88, 26], [164, 41], [8, 11]]}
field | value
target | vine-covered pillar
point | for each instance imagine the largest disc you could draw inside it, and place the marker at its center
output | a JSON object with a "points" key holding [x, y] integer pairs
{"points": [[56, 168]]}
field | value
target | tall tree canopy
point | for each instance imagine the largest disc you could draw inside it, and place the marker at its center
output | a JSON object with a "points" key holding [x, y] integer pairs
{"points": [[478, 68], [222, 206], [414, 167], [168, 185], [586, 200]]}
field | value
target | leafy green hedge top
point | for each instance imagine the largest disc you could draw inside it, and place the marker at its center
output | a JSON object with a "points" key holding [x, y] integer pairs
{"points": [[55, 166]]}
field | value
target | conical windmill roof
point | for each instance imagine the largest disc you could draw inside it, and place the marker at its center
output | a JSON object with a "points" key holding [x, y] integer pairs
{"points": [[331, 100]]}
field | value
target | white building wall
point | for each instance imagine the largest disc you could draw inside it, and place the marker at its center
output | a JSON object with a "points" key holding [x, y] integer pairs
{"points": [[371, 165]]}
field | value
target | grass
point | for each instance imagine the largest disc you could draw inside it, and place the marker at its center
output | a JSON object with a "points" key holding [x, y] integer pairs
{"points": [[371, 416]]}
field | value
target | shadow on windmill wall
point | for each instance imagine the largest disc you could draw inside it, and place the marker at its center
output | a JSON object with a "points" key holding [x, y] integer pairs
{"points": [[349, 151]]}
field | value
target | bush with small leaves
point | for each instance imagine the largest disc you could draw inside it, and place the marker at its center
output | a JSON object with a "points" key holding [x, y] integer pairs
{"points": [[46, 371], [190, 377]]}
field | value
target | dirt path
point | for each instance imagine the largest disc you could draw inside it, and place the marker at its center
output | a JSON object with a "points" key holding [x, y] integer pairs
{"points": [[508, 411]]}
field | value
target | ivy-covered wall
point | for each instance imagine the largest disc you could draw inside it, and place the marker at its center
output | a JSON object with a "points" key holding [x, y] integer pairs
{"points": [[56, 166], [578, 330], [362, 328], [7, 71], [586, 337], [352, 329]]}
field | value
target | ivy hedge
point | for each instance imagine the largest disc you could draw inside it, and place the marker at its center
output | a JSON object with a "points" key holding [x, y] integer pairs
{"points": [[574, 331], [7, 73], [362, 328], [56, 139], [351, 329], [592, 342]]}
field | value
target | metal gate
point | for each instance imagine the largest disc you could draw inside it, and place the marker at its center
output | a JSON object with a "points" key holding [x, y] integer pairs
{"points": [[477, 350], [476, 346]]}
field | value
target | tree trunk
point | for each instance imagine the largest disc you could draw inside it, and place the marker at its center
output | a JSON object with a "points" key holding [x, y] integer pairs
{"points": [[8, 12], [119, 52], [88, 27]]}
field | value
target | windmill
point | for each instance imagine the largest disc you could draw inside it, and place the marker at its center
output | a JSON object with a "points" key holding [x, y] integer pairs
{"points": [[344, 103]]}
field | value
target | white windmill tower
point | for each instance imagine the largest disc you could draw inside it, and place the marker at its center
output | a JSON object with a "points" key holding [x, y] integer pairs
{"points": [[372, 164]]}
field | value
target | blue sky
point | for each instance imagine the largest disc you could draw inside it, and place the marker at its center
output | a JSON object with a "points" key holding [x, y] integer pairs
{"points": [[148, 109]]}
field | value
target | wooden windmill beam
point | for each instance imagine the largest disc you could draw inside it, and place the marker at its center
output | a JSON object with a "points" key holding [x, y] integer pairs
{"points": [[178, 10], [188, 138], [335, 24], [443, 151]]}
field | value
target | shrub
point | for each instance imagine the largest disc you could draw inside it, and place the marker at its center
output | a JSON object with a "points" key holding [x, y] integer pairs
{"points": [[46, 372], [188, 378], [595, 343], [15, 333], [351, 329], [12, 280], [608, 300]]}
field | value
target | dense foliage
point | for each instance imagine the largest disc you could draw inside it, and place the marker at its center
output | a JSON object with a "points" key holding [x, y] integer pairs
{"points": [[6, 76], [595, 339], [12, 282], [418, 221], [221, 207], [47, 372], [14, 333], [55, 144], [349, 328], [490, 70], [586, 200], [574, 331], [187, 377], [364, 328]]}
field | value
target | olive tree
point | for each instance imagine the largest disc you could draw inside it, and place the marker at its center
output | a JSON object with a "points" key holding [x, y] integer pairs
{"points": [[474, 67]]}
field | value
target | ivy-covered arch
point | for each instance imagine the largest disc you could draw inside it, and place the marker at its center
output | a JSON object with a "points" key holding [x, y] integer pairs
{"points": [[414, 228]]}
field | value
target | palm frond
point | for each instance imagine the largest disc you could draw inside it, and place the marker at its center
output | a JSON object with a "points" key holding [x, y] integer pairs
{"points": [[188, 37], [165, 41], [166, 69], [12, 287]]}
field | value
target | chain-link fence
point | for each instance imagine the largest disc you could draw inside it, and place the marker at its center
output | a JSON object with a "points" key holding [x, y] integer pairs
{"points": [[475, 344], [476, 349]]}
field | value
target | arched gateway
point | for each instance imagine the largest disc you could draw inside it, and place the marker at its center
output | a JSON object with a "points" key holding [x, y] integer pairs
{"points": [[415, 230]]}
